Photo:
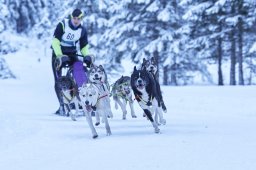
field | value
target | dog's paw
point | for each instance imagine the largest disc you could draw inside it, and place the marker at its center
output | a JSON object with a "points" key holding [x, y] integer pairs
{"points": [[109, 133], [73, 118], [95, 136], [124, 115], [163, 121], [110, 116], [164, 108], [72, 115], [157, 130], [134, 116]]}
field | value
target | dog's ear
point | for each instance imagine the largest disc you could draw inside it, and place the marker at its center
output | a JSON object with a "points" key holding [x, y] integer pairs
{"points": [[93, 66], [134, 69], [144, 69], [84, 85], [101, 67], [153, 60], [144, 61], [94, 91]]}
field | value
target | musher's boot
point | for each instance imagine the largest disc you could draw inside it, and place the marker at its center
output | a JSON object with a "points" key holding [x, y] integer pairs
{"points": [[60, 111]]}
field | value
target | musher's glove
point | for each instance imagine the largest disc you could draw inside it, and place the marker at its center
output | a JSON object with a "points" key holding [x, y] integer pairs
{"points": [[60, 60], [88, 61]]}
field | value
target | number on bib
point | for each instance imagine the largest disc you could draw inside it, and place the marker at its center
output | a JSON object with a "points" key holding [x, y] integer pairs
{"points": [[70, 36]]}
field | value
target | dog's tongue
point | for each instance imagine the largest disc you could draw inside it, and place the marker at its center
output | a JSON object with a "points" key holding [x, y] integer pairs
{"points": [[140, 86], [88, 108]]}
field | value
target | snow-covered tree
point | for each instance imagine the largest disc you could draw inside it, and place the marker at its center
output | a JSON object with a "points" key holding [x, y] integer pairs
{"points": [[185, 36], [5, 72], [249, 36]]}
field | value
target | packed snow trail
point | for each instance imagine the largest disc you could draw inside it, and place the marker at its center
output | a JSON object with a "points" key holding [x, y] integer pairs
{"points": [[208, 127]]}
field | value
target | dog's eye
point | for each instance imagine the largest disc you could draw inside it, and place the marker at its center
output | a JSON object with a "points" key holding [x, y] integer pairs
{"points": [[90, 95]]}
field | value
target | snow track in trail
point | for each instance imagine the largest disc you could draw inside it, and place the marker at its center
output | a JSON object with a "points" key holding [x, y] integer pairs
{"points": [[207, 128]]}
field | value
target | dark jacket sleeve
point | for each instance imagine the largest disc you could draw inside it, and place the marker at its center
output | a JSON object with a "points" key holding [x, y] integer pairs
{"points": [[83, 40], [59, 31]]}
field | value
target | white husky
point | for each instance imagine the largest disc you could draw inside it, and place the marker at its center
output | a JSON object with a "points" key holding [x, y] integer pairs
{"points": [[89, 96], [98, 77]]}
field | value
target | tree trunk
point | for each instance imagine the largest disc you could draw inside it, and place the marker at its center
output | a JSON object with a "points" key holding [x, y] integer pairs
{"points": [[240, 54], [174, 75], [156, 55], [165, 75], [233, 58], [173, 71], [233, 50], [251, 70], [220, 74], [240, 45]]}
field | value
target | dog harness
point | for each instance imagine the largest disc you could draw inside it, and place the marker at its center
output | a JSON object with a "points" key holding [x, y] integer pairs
{"points": [[72, 96], [102, 89], [137, 97]]}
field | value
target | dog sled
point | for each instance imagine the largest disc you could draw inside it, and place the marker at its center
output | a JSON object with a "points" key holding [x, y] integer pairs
{"points": [[71, 77]]}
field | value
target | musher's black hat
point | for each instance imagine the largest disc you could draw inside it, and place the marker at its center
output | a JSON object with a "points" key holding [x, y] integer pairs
{"points": [[77, 13]]}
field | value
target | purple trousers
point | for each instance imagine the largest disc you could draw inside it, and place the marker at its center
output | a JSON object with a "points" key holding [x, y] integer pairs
{"points": [[79, 73]]}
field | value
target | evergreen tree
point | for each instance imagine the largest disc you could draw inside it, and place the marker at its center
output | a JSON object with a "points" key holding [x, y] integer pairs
{"points": [[5, 72], [185, 36]]}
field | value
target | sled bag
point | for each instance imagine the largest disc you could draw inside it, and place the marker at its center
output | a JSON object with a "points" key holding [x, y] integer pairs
{"points": [[79, 73]]}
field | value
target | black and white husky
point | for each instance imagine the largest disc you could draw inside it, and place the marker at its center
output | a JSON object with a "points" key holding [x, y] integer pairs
{"points": [[68, 93], [151, 67], [98, 77], [122, 93], [144, 89]]}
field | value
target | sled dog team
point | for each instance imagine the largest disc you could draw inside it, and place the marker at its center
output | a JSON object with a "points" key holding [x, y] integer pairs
{"points": [[93, 97]]}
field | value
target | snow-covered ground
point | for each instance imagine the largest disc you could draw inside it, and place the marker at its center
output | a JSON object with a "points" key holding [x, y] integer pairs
{"points": [[208, 128]]}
